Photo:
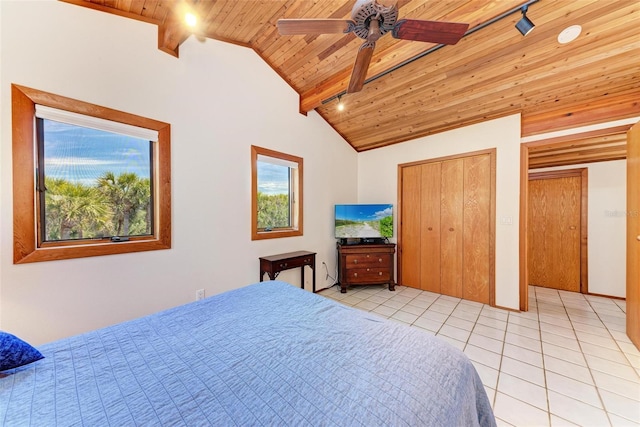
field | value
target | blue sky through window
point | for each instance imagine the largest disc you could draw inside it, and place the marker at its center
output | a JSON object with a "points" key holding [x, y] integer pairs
{"points": [[273, 179], [82, 155]]}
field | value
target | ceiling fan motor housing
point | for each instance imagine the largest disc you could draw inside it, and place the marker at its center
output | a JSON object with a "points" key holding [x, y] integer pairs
{"points": [[365, 10]]}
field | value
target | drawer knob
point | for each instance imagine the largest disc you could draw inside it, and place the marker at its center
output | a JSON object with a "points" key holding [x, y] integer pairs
{"points": [[380, 273], [430, 228], [451, 229], [355, 261], [379, 259], [355, 274]]}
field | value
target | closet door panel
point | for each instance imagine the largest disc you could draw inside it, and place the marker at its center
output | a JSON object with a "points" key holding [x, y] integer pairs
{"points": [[451, 227], [430, 228], [476, 215], [411, 226]]}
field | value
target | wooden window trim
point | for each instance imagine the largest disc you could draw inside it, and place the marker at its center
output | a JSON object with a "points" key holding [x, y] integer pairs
{"points": [[274, 234], [25, 239]]}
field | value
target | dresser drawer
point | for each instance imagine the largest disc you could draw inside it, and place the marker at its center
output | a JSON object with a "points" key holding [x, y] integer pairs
{"points": [[367, 260], [295, 262], [368, 275]]}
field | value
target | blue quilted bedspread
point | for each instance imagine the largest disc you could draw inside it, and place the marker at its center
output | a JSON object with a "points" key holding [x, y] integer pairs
{"points": [[267, 354]]}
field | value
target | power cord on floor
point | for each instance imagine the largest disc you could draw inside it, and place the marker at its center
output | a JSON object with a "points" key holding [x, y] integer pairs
{"points": [[328, 276]]}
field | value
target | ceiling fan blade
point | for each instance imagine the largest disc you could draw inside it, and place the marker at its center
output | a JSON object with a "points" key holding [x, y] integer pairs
{"points": [[429, 31], [290, 27], [361, 66]]}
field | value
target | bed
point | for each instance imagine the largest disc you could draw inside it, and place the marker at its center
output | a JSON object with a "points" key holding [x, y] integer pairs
{"points": [[265, 354]]}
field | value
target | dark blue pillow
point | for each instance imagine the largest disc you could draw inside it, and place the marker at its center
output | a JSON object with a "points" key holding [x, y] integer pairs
{"points": [[14, 352]]}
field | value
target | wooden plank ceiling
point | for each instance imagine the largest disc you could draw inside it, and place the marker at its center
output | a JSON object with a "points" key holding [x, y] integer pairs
{"points": [[492, 72], [595, 146]]}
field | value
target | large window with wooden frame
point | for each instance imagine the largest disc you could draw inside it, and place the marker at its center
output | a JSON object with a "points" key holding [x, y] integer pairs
{"points": [[88, 180], [276, 194]]}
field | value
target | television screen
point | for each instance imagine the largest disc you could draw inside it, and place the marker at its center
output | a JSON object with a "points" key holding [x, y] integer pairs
{"points": [[364, 221]]}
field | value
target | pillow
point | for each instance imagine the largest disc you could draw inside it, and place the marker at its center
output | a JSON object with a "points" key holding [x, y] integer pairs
{"points": [[14, 352]]}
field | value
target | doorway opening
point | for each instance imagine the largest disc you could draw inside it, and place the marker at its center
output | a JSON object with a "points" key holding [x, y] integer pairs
{"points": [[601, 145]]}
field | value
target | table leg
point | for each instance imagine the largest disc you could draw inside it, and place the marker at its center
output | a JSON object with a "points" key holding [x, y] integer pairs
{"points": [[313, 271]]}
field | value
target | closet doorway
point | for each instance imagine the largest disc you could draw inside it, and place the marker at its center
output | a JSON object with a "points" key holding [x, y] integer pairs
{"points": [[557, 229], [600, 145], [446, 238]]}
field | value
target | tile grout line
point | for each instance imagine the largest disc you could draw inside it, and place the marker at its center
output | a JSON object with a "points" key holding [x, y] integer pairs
{"points": [[587, 362], [606, 411], [504, 340], [544, 370], [611, 336]]}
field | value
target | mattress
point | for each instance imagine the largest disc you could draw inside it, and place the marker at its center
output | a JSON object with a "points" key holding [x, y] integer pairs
{"points": [[266, 354]]}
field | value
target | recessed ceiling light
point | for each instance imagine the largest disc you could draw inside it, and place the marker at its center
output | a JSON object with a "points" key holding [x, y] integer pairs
{"points": [[569, 34], [190, 19]]}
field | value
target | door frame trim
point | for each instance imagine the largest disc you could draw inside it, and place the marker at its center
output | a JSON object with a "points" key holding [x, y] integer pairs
{"points": [[582, 173], [542, 141]]}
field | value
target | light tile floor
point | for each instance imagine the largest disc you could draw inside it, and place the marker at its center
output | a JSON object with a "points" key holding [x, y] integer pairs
{"points": [[565, 362]]}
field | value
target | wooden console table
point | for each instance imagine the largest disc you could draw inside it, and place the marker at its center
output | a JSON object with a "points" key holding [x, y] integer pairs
{"points": [[274, 264]]}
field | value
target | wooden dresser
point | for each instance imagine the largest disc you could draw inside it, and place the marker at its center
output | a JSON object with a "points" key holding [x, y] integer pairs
{"points": [[366, 265]]}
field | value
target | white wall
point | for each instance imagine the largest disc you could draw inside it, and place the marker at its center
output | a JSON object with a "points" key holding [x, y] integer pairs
{"points": [[219, 99], [606, 213], [378, 182]]}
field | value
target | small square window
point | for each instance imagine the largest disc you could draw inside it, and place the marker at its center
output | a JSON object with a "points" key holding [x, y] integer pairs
{"points": [[87, 180], [276, 194]]}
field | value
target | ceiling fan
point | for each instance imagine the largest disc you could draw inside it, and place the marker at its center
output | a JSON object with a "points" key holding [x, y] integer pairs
{"points": [[370, 20]]}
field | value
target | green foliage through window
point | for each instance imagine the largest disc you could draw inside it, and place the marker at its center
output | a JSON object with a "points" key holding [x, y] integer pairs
{"points": [[113, 206], [273, 211]]}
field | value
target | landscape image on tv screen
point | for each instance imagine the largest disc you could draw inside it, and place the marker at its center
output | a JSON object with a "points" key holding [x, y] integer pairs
{"points": [[364, 221]]}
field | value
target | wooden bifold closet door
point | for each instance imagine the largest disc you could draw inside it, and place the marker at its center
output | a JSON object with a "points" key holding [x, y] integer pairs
{"points": [[447, 226]]}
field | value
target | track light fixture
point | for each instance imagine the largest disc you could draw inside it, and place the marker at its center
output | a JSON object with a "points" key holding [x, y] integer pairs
{"points": [[524, 25], [340, 103]]}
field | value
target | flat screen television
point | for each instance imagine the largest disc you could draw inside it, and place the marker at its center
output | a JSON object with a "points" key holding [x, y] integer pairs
{"points": [[364, 221]]}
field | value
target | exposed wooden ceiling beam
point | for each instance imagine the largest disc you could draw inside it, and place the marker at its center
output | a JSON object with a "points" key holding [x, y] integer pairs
{"points": [[171, 34]]}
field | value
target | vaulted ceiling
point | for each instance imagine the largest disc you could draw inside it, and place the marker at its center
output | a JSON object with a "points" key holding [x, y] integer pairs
{"points": [[415, 89]]}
